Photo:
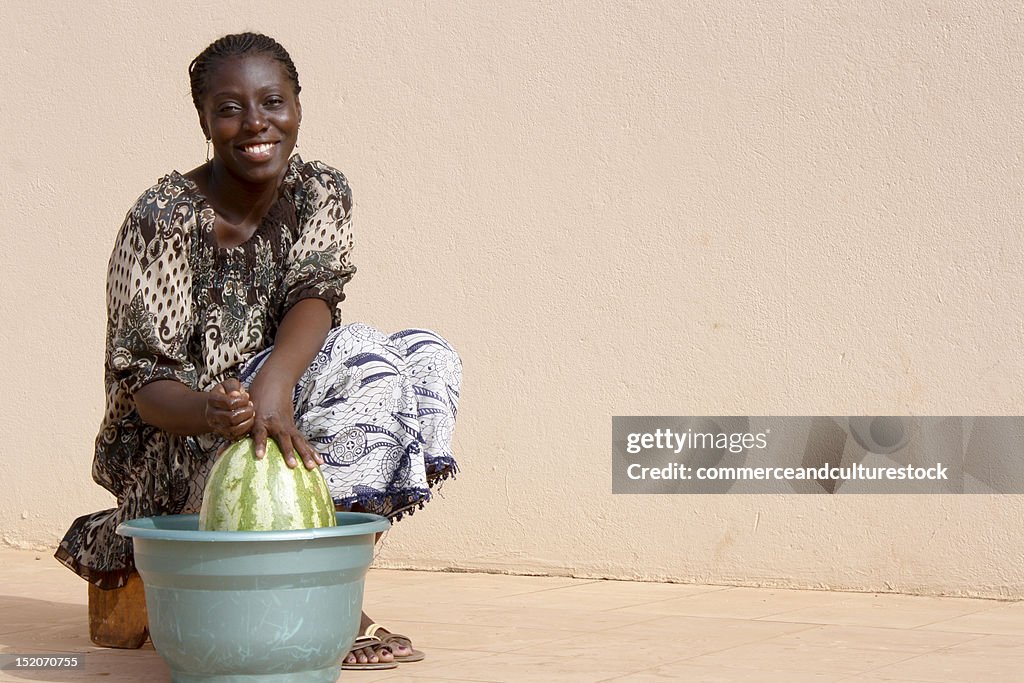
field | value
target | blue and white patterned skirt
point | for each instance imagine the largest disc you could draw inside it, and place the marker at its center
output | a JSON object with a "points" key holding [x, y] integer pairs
{"points": [[380, 410]]}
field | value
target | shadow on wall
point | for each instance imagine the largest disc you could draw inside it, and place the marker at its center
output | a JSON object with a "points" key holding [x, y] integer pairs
{"points": [[44, 628]]}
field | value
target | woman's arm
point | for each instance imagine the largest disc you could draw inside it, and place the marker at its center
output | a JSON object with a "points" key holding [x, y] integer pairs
{"points": [[300, 337], [173, 407], [319, 264], [151, 363], [266, 410]]}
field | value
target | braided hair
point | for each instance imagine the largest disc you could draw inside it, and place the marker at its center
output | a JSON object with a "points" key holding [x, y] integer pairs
{"points": [[236, 45]]}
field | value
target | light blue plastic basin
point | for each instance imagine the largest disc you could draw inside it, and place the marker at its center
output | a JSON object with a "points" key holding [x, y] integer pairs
{"points": [[253, 606]]}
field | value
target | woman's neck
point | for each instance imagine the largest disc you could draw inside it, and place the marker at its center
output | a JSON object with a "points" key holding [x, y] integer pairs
{"points": [[235, 201]]}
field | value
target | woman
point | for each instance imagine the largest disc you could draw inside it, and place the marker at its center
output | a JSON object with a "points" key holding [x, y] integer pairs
{"points": [[223, 295]]}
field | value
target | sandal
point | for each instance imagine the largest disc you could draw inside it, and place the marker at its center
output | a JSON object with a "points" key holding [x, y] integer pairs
{"points": [[393, 640], [368, 641]]}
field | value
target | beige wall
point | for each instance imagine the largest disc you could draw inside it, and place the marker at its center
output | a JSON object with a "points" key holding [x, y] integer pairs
{"points": [[611, 208]]}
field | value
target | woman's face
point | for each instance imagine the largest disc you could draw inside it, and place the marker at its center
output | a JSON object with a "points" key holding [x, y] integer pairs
{"points": [[251, 116]]}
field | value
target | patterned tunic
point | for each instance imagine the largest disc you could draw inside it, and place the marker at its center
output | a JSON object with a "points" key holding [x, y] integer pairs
{"points": [[181, 307]]}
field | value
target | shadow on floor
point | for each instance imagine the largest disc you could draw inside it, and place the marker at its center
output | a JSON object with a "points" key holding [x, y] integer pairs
{"points": [[46, 628]]}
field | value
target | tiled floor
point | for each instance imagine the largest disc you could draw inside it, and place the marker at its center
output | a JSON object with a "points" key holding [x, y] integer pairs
{"points": [[480, 627]]}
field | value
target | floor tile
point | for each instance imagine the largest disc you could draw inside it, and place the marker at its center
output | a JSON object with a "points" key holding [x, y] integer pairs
{"points": [[674, 673], [1002, 619], [911, 641], [742, 603], [950, 666], [772, 655], [458, 587], [114, 666], [439, 658], [671, 639], [512, 583], [990, 646], [873, 678], [493, 639], [487, 615], [405, 678], [892, 611], [602, 596], [530, 668], [479, 628], [63, 637]]}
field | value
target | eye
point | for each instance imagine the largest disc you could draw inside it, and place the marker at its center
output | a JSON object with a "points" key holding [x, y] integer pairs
{"points": [[228, 108], [275, 101]]}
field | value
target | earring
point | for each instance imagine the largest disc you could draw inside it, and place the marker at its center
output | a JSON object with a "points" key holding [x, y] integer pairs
{"points": [[207, 149], [296, 137]]}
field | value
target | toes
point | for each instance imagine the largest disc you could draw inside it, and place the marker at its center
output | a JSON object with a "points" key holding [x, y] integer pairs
{"points": [[400, 647], [364, 655]]}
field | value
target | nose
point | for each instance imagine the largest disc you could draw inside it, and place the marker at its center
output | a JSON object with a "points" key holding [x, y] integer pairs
{"points": [[254, 120]]}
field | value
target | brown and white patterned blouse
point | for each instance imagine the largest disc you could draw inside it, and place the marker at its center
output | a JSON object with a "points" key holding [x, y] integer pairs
{"points": [[181, 307]]}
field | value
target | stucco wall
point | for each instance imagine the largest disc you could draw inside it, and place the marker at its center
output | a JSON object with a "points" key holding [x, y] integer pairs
{"points": [[610, 208]]}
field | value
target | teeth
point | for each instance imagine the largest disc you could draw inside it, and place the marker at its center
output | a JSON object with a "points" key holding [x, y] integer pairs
{"points": [[259, 149]]}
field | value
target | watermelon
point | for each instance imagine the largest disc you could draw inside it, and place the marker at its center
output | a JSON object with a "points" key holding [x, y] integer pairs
{"points": [[246, 494]]}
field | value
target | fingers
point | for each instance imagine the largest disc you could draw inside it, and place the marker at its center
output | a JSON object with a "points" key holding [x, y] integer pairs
{"points": [[231, 384], [284, 440], [291, 442], [310, 457], [230, 429], [229, 412], [230, 395], [274, 419], [239, 401], [306, 452], [259, 437], [239, 429], [294, 444], [241, 415]]}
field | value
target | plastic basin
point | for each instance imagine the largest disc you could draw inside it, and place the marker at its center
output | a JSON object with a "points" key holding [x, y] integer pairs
{"points": [[253, 606]]}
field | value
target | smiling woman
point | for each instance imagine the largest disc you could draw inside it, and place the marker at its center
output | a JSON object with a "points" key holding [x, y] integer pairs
{"points": [[249, 110], [224, 295]]}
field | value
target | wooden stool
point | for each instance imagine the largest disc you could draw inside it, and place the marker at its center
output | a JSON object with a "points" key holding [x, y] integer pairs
{"points": [[117, 617]]}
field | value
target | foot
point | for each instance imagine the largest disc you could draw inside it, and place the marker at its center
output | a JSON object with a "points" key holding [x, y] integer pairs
{"points": [[378, 653], [399, 647]]}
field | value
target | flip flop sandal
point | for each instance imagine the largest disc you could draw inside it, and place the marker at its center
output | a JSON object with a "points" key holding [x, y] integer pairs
{"points": [[368, 641], [393, 640]]}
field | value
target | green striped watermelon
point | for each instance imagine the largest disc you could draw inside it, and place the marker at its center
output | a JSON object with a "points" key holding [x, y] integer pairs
{"points": [[246, 494]]}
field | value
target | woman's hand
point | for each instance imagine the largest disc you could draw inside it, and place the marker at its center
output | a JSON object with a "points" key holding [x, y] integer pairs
{"points": [[274, 418], [229, 411], [299, 337]]}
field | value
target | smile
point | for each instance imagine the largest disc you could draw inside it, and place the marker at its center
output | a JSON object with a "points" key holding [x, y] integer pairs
{"points": [[258, 151]]}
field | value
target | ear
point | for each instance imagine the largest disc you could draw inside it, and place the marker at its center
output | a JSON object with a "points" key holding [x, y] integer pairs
{"points": [[202, 124], [298, 108]]}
